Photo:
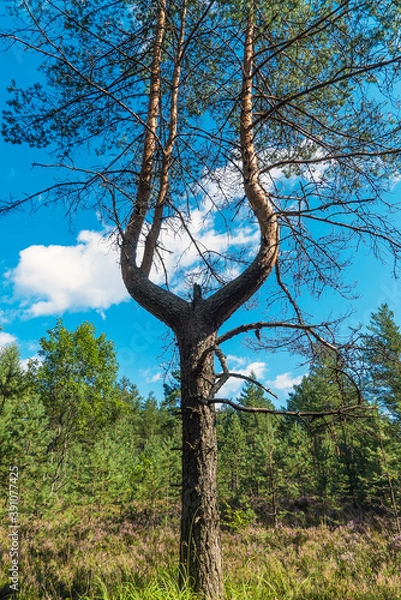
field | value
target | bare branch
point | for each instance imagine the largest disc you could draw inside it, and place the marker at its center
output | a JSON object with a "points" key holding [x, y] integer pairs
{"points": [[332, 412], [309, 329], [229, 374]]}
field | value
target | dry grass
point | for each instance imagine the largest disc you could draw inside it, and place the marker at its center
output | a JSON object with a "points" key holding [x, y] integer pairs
{"points": [[87, 556]]}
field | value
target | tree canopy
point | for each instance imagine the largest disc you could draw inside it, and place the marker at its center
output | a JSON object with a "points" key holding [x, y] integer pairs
{"points": [[157, 112]]}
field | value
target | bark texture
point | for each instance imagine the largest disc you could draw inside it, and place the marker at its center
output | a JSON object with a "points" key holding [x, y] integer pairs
{"points": [[196, 323], [200, 550]]}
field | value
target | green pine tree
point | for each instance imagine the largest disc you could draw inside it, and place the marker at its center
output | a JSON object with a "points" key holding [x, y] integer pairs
{"points": [[383, 357], [24, 433]]}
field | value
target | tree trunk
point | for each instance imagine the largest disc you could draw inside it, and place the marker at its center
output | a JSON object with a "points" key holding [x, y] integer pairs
{"points": [[200, 543]]}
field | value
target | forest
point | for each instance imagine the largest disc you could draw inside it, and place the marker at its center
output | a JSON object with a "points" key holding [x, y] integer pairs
{"points": [[310, 507]]}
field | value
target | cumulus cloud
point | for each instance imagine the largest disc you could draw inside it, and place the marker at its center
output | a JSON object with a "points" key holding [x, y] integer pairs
{"points": [[53, 279], [204, 231], [224, 184], [156, 377], [285, 381], [6, 339], [238, 361], [4, 316], [239, 364], [244, 367]]}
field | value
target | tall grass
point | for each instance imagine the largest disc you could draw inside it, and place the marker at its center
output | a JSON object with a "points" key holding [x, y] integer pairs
{"points": [[165, 587], [265, 587], [94, 558]]}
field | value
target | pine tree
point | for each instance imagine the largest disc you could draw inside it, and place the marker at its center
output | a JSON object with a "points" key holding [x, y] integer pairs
{"points": [[145, 106], [24, 432], [232, 455], [260, 431], [76, 382], [382, 360], [383, 357], [340, 445]]}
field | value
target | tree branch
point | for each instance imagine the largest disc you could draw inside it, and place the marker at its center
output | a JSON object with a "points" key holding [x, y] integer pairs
{"points": [[228, 374], [228, 298], [341, 411], [310, 329]]}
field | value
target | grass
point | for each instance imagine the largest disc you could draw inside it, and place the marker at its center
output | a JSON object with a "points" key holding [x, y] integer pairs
{"points": [[164, 588], [89, 557]]}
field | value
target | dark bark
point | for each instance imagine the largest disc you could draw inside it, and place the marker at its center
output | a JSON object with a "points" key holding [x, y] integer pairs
{"points": [[195, 325], [200, 548], [195, 328]]}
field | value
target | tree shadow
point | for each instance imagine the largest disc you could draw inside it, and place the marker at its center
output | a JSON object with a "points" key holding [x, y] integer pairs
{"points": [[7, 592]]}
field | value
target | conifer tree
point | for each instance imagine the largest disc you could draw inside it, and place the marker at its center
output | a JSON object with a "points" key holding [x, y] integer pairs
{"points": [[76, 382], [383, 357], [259, 433], [232, 456], [150, 107], [341, 446], [24, 432]]}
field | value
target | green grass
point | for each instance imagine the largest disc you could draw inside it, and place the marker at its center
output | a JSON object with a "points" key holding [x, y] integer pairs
{"points": [[94, 558], [164, 588], [270, 586]]}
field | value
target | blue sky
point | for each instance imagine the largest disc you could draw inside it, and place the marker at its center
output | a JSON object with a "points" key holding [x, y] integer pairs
{"points": [[52, 268]]}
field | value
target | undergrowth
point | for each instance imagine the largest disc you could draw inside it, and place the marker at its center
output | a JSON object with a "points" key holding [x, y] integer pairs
{"points": [[93, 558]]}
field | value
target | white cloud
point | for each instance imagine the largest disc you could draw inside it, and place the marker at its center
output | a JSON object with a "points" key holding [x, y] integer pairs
{"points": [[54, 279], [240, 364], [258, 368], [285, 381], [239, 361], [225, 183], [4, 317], [156, 377], [218, 190], [203, 226], [25, 361], [6, 338], [150, 376], [234, 385]]}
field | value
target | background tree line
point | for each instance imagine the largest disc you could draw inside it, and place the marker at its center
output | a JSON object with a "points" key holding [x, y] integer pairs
{"points": [[80, 435]]}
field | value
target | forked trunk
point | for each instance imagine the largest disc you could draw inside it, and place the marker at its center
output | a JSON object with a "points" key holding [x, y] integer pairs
{"points": [[200, 544]]}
